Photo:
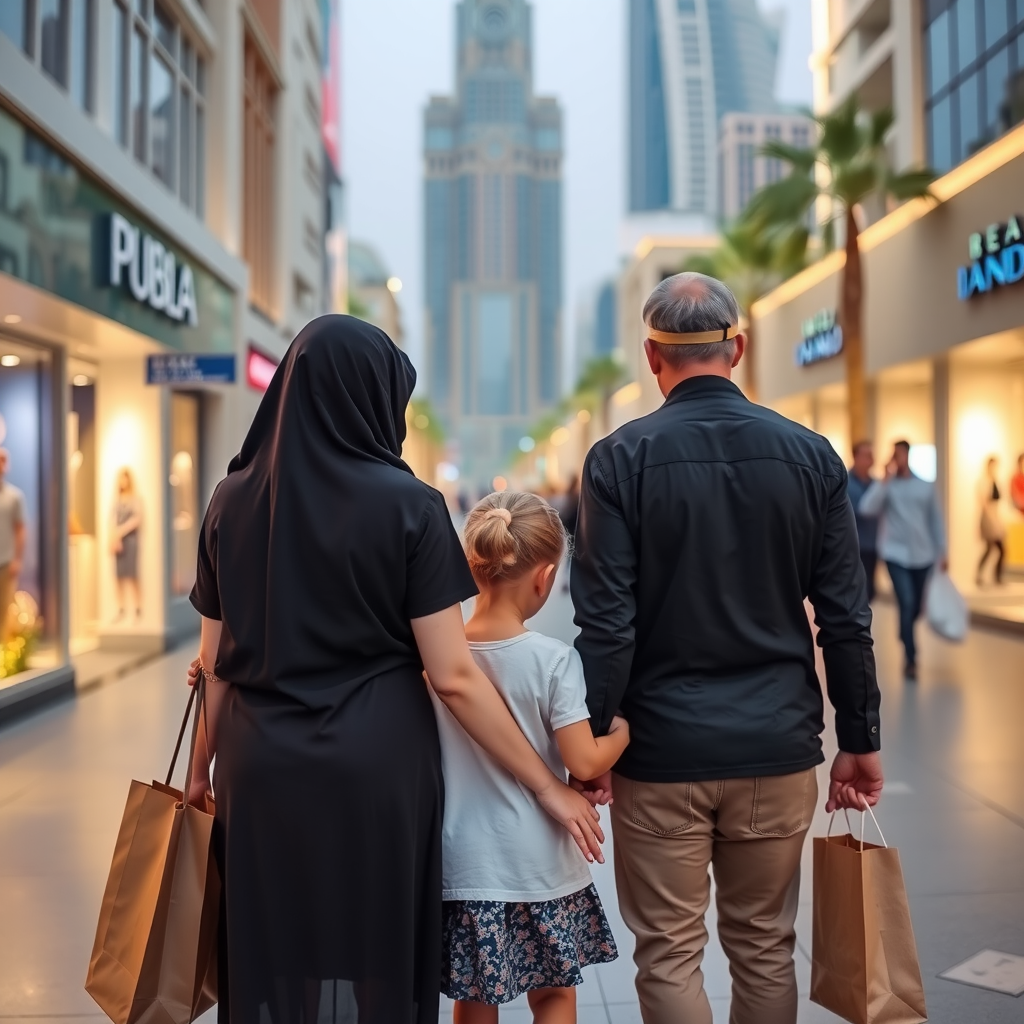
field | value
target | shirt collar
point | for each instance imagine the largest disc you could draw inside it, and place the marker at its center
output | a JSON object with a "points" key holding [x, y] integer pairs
{"points": [[703, 384]]}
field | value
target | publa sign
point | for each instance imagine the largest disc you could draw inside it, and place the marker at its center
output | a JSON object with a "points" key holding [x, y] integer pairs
{"points": [[150, 272], [823, 338], [190, 369], [997, 258]]}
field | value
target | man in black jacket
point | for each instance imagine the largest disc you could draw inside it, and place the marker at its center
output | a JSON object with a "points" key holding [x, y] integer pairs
{"points": [[703, 528]]}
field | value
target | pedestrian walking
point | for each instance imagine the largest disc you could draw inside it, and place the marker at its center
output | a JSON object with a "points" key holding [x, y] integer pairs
{"points": [[860, 480], [328, 578], [1017, 486], [703, 528], [991, 527], [521, 913], [911, 540]]}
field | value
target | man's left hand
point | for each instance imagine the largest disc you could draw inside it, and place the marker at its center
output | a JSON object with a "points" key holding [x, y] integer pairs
{"points": [[855, 781], [597, 791]]}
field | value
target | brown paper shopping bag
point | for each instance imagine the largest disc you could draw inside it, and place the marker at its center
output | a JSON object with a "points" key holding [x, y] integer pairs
{"points": [[154, 958], [864, 958]]}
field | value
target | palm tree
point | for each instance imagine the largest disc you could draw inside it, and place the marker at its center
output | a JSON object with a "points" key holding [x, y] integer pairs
{"points": [[848, 165], [599, 379], [751, 260]]}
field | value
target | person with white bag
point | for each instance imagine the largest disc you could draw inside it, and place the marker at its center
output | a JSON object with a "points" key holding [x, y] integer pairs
{"points": [[911, 539]]}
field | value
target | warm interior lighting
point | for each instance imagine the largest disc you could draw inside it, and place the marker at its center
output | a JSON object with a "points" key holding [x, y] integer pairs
{"points": [[12, 318], [10, 360], [80, 380], [583, 415], [559, 435], [394, 285], [499, 483]]}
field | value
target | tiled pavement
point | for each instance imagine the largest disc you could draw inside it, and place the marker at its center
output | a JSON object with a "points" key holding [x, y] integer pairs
{"points": [[954, 753]]}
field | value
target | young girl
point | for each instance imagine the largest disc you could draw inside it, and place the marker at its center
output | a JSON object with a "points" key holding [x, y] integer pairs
{"points": [[521, 913]]}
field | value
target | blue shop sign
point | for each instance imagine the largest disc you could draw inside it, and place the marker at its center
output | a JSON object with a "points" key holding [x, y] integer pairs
{"points": [[187, 369], [823, 338], [997, 258]]}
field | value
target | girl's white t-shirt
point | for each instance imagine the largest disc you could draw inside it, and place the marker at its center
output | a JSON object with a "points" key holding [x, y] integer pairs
{"points": [[499, 843]]}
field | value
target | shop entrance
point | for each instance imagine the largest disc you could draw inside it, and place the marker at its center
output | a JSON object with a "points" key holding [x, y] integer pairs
{"points": [[83, 534]]}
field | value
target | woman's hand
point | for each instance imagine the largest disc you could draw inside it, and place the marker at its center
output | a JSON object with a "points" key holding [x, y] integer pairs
{"points": [[573, 812], [195, 671]]}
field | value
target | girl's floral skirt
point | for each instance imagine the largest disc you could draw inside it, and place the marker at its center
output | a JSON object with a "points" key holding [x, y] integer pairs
{"points": [[493, 952]]}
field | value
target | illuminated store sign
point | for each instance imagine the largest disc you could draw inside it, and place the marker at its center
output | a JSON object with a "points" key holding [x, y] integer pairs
{"points": [[174, 368], [823, 338], [259, 369], [150, 272], [997, 258]]}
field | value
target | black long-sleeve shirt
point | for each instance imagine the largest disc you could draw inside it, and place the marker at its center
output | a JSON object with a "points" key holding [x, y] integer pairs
{"points": [[702, 529]]}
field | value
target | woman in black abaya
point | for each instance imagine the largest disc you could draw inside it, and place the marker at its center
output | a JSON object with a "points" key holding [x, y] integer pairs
{"points": [[329, 577]]}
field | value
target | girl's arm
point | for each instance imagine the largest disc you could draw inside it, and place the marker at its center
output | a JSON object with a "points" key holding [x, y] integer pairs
{"points": [[206, 740], [471, 697], [587, 756]]}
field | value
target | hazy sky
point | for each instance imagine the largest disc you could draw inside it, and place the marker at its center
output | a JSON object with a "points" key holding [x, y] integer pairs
{"points": [[395, 53]]}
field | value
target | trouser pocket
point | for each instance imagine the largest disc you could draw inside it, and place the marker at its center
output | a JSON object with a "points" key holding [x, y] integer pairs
{"points": [[665, 808], [784, 804]]}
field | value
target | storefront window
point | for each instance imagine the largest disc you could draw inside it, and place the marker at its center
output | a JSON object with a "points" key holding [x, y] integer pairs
{"points": [[974, 75], [183, 478], [14, 22], [29, 606]]}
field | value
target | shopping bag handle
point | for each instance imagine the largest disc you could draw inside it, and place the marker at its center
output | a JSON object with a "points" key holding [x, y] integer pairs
{"points": [[197, 696], [863, 820]]}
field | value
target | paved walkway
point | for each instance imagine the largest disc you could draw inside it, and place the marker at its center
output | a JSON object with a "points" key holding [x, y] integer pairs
{"points": [[955, 808]]}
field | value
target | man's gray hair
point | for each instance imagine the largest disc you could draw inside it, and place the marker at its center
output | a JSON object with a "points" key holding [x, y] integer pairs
{"points": [[688, 303]]}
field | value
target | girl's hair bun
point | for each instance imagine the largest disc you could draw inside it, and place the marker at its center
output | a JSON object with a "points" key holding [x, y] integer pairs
{"points": [[510, 532]]}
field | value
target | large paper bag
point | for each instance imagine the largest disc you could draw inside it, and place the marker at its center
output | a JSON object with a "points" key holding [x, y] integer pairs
{"points": [[154, 958], [864, 963]]}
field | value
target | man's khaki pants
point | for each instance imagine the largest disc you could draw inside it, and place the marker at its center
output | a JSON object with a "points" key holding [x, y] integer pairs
{"points": [[750, 831]]}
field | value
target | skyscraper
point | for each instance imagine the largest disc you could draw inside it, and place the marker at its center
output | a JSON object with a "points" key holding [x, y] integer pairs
{"points": [[690, 62], [493, 247]]}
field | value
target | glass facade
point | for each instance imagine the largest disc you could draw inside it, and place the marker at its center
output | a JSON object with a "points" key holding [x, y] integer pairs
{"points": [[649, 187], [973, 75], [53, 234]]}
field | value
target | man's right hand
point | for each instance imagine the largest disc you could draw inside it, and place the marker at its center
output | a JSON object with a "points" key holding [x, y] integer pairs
{"points": [[855, 781]]}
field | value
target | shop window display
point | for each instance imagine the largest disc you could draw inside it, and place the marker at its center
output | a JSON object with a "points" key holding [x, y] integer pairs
{"points": [[28, 591], [82, 552]]}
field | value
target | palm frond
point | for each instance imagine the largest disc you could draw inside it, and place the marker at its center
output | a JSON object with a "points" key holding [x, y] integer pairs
{"points": [[803, 160], [881, 121], [852, 182], [841, 138], [910, 184], [782, 202]]}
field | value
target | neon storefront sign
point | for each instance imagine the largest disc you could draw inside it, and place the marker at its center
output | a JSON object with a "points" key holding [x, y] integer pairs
{"points": [[997, 258], [823, 338], [148, 270]]}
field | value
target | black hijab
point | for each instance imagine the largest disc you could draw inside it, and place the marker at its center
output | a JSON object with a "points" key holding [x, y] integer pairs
{"points": [[341, 390]]}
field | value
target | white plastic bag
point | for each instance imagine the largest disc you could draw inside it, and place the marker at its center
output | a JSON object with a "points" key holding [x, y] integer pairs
{"points": [[946, 608]]}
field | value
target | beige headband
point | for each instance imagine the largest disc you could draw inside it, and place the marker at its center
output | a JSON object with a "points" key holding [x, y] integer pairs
{"points": [[699, 338]]}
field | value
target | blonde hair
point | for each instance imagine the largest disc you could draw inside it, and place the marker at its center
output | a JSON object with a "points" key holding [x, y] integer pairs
{"points": [[509, 533]]}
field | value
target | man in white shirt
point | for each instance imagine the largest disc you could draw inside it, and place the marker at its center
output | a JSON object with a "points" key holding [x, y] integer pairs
{"points": [[12, 542], [912, 539]]}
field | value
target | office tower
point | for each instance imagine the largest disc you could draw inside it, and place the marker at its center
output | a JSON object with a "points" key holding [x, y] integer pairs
{"points": [[741, 170], [691, 62], [492, 164]]}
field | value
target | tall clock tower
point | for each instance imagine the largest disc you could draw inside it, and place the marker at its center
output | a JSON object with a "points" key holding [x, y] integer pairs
{"points": [[493, 240]]}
